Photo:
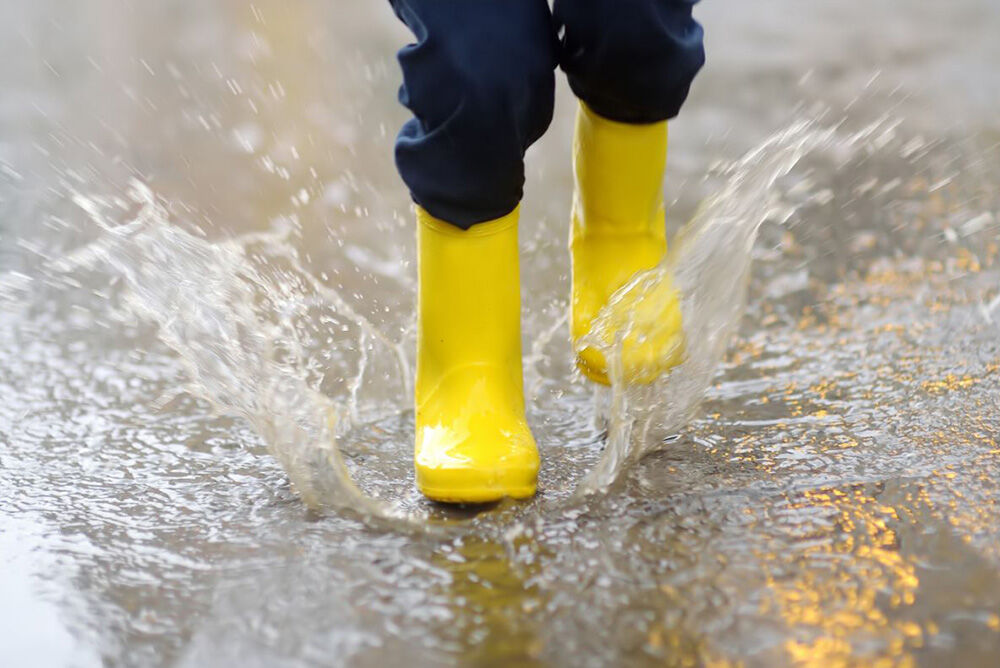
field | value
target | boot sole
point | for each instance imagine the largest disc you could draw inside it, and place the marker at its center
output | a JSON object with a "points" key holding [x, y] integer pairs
{"points": [[477, 494]]}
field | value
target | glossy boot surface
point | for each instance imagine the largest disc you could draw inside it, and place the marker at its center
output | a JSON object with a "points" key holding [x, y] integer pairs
{"points": [[473, 444], [618, 229]]}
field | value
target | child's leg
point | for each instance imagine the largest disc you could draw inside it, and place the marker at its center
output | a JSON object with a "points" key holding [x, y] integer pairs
{"points": [[480, 83], [631, 63]]}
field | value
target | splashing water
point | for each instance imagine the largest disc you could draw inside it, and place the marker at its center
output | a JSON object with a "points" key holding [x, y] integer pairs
{"points": [[258, 335], [709, 265], [262, 338]]}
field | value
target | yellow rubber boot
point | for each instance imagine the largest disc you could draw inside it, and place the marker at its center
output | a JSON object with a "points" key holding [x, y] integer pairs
{"points": [[619, 229], [473, 444]]}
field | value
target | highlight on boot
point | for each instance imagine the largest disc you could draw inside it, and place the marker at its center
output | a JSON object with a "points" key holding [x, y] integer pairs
{"points": [[473, 443]]}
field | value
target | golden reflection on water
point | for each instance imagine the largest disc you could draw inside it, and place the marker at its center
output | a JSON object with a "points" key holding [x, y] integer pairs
{"points": [[843, 571], [839, 596]]}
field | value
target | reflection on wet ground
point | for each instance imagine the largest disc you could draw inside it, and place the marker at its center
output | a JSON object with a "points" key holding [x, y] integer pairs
{"points": [[834, 502]]}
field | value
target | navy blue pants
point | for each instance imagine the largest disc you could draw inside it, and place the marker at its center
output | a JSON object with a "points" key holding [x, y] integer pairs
{"points": [[480, 82]]}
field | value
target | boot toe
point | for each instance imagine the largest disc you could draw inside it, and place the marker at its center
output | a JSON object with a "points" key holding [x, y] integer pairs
{"points": [[477, 467]]}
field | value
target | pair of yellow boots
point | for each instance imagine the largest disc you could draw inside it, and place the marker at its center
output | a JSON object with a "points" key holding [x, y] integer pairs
{"points": [[473, 444]]}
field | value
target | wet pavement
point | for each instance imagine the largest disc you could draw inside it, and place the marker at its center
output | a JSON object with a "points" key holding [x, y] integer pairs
{"points": [[834, 502]]}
